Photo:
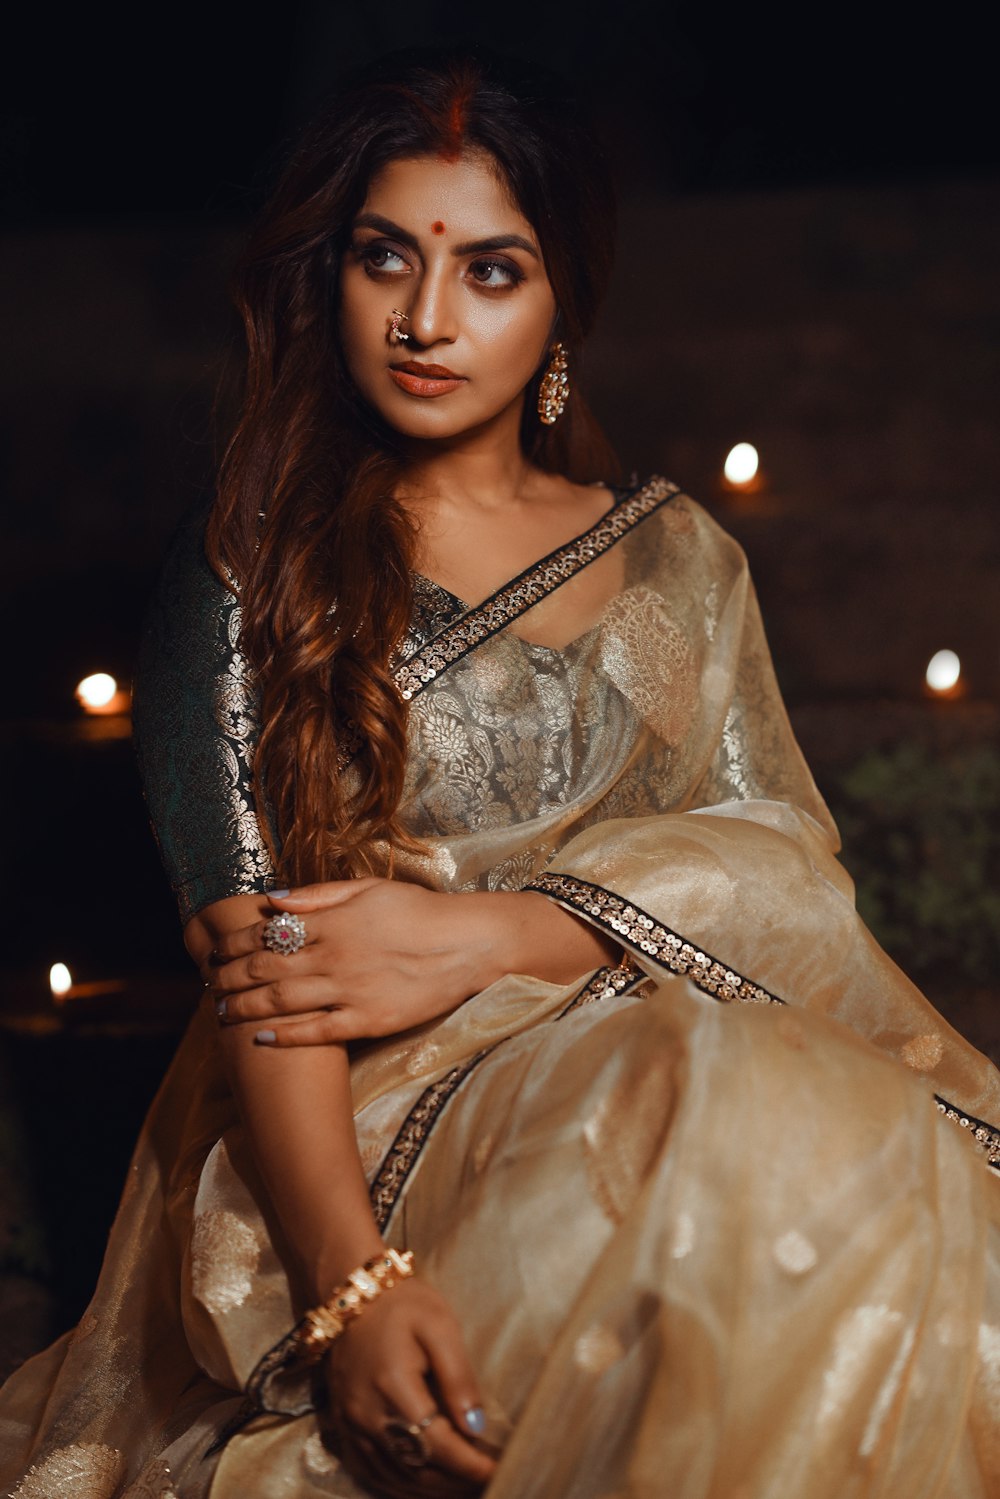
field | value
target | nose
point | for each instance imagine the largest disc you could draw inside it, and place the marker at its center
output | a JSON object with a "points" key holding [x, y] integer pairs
{"points": [[433, 310]]}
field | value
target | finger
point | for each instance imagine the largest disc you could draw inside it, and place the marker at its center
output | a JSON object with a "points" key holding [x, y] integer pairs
{"points": [[449, 1450], [405, 1391], [249, 939], [285, 997], [263, 967], [314, 1030], [459, 1387], [313, 897]]}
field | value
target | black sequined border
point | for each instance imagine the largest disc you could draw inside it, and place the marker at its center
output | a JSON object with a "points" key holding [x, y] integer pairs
{"points": [[984, 1134], [629, 921], [415, 1130], [522, 593], [607, 910]]}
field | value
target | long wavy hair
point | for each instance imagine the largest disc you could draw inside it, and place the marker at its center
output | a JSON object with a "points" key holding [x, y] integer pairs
{"points": [[305, 520]]}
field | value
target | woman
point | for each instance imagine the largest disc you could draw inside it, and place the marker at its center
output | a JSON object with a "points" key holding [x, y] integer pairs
{"points": [[541, 829]]}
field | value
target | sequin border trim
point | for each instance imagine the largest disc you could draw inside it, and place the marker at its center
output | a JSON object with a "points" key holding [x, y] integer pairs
{"points": [[984, 1134], [415, 1131], [610, 911], [629, 921], [528, 589]]}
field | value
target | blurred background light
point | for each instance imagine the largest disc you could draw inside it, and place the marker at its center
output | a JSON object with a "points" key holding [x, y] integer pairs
{"points": [[943, 671], [741, 464], [60, 980], [100, 694], [96, 691]]}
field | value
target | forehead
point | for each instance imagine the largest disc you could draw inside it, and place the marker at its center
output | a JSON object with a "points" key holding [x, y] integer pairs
{"points": [[468, 196]]}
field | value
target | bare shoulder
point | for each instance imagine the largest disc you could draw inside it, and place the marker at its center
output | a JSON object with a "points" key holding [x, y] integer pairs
{"points": [[583, 503]]}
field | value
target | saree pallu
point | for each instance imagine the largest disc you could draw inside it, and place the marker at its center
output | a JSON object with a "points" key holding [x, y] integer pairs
{"points": [[720, 1221]]}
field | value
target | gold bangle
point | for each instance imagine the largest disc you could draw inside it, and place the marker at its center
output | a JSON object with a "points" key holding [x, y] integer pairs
{"points": [[325, 1323]]}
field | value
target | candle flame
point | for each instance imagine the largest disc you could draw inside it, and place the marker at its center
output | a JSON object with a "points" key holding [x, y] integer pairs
{"points": [[943, 671], [97, 690], [60, 980], [741, 464]]}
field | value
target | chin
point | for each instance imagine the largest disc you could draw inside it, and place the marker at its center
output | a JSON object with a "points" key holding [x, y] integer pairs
{"points": [[429, 419]]}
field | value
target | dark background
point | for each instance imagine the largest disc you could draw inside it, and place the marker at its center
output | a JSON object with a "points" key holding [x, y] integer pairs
{"points": [[809, 251]]}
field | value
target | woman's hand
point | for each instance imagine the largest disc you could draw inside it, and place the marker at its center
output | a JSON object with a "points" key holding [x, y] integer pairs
{"points": [[402, 1361], [383, 956]]}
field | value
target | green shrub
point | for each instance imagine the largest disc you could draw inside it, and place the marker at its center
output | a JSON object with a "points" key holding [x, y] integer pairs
{"points": [[921, 835]]}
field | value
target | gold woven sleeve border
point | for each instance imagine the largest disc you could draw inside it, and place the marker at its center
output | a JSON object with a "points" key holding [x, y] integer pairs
{"points": [[626, 920], [528, 588], [605, 909]]}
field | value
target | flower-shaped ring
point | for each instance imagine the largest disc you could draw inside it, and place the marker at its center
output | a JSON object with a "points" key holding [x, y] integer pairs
{"points": [[285, 934]]}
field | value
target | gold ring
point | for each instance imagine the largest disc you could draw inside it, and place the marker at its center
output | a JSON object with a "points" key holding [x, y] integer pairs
{"points": [[406, 1442]]}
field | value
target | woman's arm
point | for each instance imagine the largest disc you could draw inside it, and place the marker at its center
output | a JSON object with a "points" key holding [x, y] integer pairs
{"points": [[296, 1109], [383, 956], [297, 1112], [195, 723]]}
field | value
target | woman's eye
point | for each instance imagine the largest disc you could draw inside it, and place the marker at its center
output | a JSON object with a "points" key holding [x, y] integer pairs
{"points": [[379, 257], [495, 273]]}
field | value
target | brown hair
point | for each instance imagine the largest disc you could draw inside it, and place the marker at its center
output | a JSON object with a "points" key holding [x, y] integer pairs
{"points": [[304, 516]]}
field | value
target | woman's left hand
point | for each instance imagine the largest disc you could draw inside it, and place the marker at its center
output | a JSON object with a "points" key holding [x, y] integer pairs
{"points": [[382, 956]]}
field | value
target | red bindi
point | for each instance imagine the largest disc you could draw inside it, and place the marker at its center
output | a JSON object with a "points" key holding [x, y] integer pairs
{"points": [[437, 227]]}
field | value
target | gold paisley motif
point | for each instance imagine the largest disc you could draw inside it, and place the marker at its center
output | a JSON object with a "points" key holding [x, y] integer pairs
{"points": [[224, 1258], [923, 1053], [647, 656], [154, 1482], [84, 1470], [625, 1132], [597, 1350], [794, 1253]]}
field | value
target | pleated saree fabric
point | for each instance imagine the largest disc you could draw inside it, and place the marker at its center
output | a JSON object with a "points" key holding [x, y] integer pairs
{"points": [[720, 1222]]}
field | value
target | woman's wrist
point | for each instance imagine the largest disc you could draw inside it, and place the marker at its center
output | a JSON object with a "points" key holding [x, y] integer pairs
{"points": [[535, 936], [334, 1263]]}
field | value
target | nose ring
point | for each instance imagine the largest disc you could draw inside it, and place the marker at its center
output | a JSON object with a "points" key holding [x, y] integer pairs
{"points": [[395, 332]]}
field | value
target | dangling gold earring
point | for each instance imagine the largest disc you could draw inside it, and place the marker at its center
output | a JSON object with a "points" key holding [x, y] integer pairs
{"points": [[553, 393]]}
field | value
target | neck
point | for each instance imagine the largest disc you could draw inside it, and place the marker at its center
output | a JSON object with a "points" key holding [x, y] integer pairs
{"points": [[484, 468]]}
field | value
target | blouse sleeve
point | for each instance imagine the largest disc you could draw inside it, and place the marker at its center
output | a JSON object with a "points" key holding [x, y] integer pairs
{"points": [[196, 727]]}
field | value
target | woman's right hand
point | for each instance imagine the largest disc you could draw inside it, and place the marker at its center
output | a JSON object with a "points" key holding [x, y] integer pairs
{"points": [[402, 1360]]}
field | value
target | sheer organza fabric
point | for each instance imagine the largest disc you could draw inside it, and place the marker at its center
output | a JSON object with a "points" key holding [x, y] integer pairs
{"points": [[703, 1221]]}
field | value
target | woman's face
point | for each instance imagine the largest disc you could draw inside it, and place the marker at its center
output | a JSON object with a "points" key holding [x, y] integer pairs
{"points": [[444, 243]]}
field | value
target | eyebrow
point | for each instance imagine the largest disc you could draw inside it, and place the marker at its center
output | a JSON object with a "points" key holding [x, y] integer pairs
{"points": [[469, 247]]}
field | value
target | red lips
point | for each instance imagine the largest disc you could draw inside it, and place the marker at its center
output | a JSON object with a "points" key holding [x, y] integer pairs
{"points": [[425, 381], [427, 371]]}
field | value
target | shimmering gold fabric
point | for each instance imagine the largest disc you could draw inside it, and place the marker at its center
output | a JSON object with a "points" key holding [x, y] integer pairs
{"points": [[706, 1230]]}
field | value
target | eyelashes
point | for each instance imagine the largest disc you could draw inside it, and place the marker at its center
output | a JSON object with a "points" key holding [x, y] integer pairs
{"points": [[511, 273], [384, 261], [375, 255]]}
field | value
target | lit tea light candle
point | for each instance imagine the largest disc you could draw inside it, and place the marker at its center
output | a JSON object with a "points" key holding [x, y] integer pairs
{"points": [[64, 987], [742, 465], [944, 672], [99, 693], [60, 981]]}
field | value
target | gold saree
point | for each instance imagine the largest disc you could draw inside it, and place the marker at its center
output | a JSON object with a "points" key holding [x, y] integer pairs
{"points": [[719, 1223]]}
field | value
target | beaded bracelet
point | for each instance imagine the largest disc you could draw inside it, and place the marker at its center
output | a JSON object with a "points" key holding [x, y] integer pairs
{"points": [[325, 1323]]}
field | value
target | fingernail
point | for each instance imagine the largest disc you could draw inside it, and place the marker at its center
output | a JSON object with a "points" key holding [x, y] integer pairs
{"points": [[265, 1038], [220, 1008], [475, 1420], [279, 894]]}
